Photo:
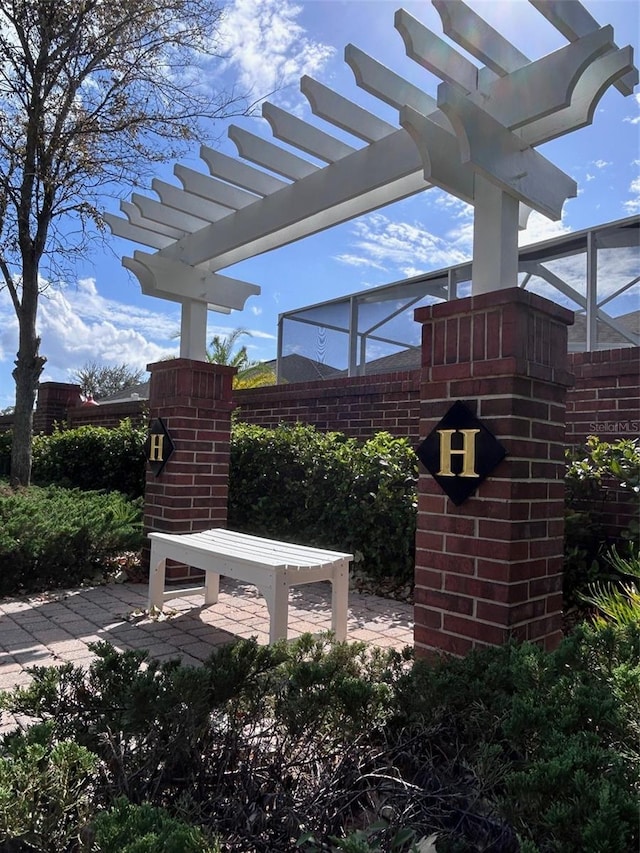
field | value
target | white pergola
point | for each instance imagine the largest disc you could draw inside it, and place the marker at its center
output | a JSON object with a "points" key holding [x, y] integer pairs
{"points": [[477, 141]]}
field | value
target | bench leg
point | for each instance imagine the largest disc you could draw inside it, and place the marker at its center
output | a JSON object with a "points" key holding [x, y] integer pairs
{"points": [[277, 598], [340, 603], [211, 588], [157, 564]]}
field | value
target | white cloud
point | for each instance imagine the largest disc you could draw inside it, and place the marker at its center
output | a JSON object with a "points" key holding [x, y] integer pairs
{"points": [[86, 300], [634, 119], [632, 205], [540, 228], [601, 164], [268, 48], [358, 261], [78, 325], [404, 248], [8, 330]]}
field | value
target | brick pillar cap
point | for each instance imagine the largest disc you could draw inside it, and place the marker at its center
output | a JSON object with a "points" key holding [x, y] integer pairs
{"points": [[179, 363], [70, 385], [495, 299]]}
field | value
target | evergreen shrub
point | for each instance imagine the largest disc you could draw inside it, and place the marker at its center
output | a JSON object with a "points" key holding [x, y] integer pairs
{"points": [[52, 537], [293, 746], [130, 828], [552, 740], [46, 791], [298, 484], [93, 457]]}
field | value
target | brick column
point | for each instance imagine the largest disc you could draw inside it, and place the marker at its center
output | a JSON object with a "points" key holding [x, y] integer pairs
{"points": [[54, 398], [491, 568], [193, 399]]}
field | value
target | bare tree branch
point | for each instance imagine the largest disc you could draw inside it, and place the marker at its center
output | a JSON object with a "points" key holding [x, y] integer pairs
{"points": [[91, 93]]}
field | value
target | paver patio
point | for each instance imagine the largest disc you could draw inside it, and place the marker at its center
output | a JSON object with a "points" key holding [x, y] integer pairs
{"points": [[49, 629]]}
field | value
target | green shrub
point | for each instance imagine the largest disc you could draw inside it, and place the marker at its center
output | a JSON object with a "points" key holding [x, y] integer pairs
{"points": [[617, 601], [510, 749], [251, 745], [46, 790], [91, 457], [129, 828], [594, 473], [550, 739], [52, 537], [296, 483]]}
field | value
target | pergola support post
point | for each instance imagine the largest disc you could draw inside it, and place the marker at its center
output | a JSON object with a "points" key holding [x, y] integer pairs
{"points": [[495, 238], [193, 330]]}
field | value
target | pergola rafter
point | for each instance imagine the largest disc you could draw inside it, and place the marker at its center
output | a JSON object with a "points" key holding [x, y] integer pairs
{"points": [[476, 140]]}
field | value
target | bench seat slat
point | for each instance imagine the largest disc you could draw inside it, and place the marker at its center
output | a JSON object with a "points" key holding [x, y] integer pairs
{"points": [[241, 546]]}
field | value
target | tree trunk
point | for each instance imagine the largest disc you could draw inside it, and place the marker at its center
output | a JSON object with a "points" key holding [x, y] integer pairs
{"points": [[29, 366]]}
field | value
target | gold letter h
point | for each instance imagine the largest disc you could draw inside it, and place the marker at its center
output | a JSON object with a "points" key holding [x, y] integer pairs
{"points": [[468, 452]]}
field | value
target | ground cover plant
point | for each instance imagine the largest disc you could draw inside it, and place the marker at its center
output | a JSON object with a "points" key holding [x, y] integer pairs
{"points": [[52, 537], [321, 747]]}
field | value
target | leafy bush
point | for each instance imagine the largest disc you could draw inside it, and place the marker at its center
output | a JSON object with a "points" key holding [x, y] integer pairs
{"points": [[91, 457], [551, 740], [129, 828], [52, 537], [296, 483], [604, 461], [46, 789], [325, 747], [596, 472]]}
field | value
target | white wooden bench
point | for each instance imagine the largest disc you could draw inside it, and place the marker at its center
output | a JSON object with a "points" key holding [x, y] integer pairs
{"points": [[272, 566]]}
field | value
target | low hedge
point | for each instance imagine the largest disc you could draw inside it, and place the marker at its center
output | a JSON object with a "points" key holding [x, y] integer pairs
{"points": [[88, 457], [298, 484], [52, 537], [317, 747]]}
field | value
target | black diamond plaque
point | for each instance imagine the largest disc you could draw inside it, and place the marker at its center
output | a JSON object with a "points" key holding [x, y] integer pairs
{"points": [[460, 452], [158, 447]]}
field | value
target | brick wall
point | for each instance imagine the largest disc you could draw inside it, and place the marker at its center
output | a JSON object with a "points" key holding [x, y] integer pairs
{"points": [[605, 399], [108, 414], [356, 406], [54, 400]]}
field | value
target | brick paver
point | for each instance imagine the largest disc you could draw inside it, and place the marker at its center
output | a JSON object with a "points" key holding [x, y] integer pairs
{"points": [[53, 628]]}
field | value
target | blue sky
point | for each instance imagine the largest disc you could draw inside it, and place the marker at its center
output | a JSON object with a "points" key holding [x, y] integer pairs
{"points": [[100, 314]]}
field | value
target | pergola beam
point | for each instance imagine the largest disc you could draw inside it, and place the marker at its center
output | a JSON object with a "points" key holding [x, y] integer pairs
{"points": [[476, 141], [386, 170], [571, 19], [343, 113]]}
